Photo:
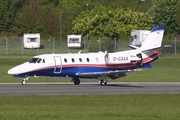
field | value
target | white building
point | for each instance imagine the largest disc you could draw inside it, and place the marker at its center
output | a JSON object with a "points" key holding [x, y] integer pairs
{"points": [[139, 36], [74, 41], [31, 40]]}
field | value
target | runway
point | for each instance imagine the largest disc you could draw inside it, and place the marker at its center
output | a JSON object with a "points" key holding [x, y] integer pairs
{"points": [[90, 88]]}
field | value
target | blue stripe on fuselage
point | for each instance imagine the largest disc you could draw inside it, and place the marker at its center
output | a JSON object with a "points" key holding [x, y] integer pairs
{"points": [[71, 71]]}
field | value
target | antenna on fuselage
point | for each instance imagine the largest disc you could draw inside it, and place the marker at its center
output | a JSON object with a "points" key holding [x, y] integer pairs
{"points": [[79, 52]]}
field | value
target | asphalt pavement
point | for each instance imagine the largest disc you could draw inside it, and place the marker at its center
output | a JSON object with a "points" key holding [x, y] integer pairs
{"points": [[68, 88]]}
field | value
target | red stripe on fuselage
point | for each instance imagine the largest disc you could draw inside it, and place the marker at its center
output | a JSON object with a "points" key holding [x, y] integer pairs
{"points": [[151, 57]]}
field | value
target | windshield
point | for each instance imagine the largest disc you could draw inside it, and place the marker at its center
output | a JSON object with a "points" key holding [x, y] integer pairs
{"points": [[36, 60], [33, 60]]}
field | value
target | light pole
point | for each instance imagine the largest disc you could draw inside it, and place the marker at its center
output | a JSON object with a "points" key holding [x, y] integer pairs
{"points": [[114, 44], [87, 6], [175, 48], [87, 33], [84, 45], [60, 26], [99, 41]]}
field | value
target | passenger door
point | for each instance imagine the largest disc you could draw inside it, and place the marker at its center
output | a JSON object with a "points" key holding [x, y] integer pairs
{"points": [[57, 65]]}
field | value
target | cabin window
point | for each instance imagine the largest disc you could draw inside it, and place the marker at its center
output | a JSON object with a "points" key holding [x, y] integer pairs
{"points": [[106, 58], [65, 60], [87, 59], [80, 60], [97, 60], [43, 61], [72, 59]]}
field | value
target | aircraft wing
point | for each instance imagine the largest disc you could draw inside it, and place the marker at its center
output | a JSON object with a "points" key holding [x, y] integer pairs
{"points": [[111, 74]]}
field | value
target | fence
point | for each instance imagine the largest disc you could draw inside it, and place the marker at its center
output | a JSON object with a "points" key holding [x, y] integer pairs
{"points": [[15, 47]]}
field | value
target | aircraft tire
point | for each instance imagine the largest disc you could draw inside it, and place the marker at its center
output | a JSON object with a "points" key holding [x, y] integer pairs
{"points": [[76, 81], [102, 82], [23, 82]]}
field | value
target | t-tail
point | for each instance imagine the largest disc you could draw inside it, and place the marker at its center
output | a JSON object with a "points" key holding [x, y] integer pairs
{"points": [[150, 49], [154, 39]]}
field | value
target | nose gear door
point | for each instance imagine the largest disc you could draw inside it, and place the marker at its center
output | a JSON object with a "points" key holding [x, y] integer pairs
{"points": [[57, 65]]}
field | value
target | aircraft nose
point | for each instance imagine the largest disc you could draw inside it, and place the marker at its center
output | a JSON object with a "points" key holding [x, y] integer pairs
{"points": [[12, 71], [20, 69]]}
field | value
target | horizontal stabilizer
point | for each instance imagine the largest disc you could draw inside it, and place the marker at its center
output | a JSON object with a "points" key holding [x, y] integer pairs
{"points": [[165, 46], [133, 46]]}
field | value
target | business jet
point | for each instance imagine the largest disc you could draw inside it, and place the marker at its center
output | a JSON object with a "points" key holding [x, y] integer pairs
{"points": [[100, 65]]}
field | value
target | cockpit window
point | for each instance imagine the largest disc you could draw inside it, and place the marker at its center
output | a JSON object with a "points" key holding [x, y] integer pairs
{"points": [[39, 60], [35, 60]]}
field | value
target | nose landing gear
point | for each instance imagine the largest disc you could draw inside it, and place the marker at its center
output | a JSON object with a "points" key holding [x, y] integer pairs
{"points": [[24, 80]]}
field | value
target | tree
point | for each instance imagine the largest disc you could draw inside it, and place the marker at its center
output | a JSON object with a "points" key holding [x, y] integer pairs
{"points": [[178, 14], [8, 12], [68, 4], [104, 21], [50, 20], [37, 18], [163, 13], [50, 2], [29, 20]]}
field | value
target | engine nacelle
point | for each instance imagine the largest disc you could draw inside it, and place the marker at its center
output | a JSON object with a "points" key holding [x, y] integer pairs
{"points": [[117, 58]]}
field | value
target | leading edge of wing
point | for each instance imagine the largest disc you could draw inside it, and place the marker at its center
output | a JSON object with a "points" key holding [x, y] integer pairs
{"points": [[97, 74]]}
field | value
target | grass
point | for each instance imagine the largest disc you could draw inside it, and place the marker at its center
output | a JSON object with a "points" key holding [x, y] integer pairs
{"points": [[91, 107], [165, 69]]}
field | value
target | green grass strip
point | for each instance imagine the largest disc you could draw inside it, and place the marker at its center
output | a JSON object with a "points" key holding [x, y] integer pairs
{"points": [[91, 107]]}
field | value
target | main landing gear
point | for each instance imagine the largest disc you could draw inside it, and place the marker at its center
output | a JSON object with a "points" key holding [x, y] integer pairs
{"points": [[24, 80], [76, 81], [103, 80]]}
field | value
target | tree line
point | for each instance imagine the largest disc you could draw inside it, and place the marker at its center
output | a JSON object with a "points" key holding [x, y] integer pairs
{"points": [[110, 18]]}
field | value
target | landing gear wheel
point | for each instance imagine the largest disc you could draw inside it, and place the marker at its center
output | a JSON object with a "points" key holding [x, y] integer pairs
{"points": [[76, 81], [102, 82], [23, 82]]}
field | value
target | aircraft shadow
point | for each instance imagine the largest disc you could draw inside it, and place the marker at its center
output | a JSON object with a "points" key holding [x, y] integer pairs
{"points": [[119, 85], [108, 85]]}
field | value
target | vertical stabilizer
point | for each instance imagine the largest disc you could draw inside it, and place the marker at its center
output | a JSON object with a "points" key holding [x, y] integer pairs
{"points": [[154, 39]]}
